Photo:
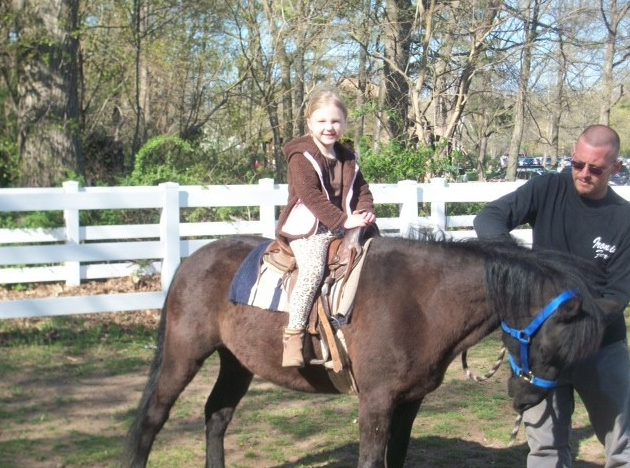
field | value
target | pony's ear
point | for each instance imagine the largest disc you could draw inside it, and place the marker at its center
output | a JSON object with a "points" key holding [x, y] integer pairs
{"points": [[610, 310], [570, 309]]}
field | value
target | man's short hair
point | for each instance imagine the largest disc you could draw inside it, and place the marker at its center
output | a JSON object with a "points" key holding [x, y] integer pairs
{"points": [[602, 135]]}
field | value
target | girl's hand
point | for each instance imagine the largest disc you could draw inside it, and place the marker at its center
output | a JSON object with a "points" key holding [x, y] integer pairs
{"points": [[357, 219]]}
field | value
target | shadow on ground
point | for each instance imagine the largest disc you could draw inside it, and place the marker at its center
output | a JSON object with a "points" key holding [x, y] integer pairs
{"points": [[440, 452]]}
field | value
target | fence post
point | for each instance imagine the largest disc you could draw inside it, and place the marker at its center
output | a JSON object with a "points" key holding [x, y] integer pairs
{"points": [[169, 232], [71, 220], [438, 209], [267, 210], [408, 215]]}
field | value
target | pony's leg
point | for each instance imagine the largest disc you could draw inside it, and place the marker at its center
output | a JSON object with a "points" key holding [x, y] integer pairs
{"points": [[375, 417], [400, 433], [174, 366], [231, 385]]}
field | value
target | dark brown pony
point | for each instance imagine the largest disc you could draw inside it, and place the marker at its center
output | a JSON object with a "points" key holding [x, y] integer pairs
{"points": [[419, 305]]}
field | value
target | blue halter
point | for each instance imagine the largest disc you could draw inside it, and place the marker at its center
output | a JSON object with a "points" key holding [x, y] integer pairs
{"points": [[525, 338]]}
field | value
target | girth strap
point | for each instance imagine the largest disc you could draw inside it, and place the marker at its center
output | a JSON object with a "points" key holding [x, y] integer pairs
{"points": [[330, 336]]}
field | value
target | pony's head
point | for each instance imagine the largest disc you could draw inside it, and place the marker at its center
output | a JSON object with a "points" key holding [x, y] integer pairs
{"points": [[552, 316], [569, 335]]}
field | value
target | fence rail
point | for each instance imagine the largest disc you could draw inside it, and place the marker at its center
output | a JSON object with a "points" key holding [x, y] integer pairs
{"points": [[74, 253]]}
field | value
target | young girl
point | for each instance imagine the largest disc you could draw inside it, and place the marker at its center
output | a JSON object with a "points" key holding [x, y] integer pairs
{"points": [[327, 195]]}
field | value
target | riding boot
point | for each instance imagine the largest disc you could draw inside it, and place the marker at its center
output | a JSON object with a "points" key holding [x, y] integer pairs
{"points": [[292, 342]]}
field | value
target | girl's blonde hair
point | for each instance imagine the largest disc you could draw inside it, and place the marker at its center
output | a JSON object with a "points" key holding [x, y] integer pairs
{"points": [[321, 97]]}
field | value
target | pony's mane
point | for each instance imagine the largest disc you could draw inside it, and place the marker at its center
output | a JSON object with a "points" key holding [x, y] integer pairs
{"points": [[516, 275]]}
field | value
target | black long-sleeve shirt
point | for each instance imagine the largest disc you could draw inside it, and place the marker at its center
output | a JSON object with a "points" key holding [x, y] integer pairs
{"points": [[596, 230]]}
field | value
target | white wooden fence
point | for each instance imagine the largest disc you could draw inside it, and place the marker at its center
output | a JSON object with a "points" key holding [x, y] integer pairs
{"points": [[74, 253]]}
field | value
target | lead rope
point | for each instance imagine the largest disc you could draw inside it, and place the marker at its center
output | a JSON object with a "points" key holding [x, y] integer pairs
{"points": [[486, 376], [517, 426]]}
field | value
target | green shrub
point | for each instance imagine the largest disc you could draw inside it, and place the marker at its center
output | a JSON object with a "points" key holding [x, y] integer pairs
{"points": [[394, 162], [9, 163], [165, 158]]}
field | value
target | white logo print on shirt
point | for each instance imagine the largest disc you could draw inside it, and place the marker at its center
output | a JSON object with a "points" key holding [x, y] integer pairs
{"points": [[603, 250]]}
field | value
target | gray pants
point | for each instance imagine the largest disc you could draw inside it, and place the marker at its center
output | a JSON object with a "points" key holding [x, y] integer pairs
{"points": [[603, 383], [310, 256]]}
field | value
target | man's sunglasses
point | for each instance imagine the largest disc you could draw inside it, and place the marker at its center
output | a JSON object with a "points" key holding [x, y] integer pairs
{"points": [[578, 166]]}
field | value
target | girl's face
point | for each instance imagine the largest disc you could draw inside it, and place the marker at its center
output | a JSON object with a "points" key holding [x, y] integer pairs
{"points": [[327, 125]]}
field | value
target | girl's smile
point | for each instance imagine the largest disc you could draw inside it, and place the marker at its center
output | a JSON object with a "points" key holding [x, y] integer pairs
{"points": [[327, 125]]}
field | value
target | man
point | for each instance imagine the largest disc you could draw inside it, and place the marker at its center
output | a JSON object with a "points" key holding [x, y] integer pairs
{"points": [[578, 213]]}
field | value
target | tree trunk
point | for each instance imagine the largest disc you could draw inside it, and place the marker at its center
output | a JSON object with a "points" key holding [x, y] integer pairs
{"points": [[300, 94], [481, 156], [281, 39], [274, 122], [287, 100], [426, 13], [48, 101], [531, 26], [397, 25], [142, 77], [362, 74], [440, 91], [361, 95], [558, 107], [611, 22], [485, 133], [477, 47]]}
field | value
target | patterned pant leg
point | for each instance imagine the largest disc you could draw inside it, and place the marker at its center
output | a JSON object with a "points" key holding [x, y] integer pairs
{"points": [[310, 256]]}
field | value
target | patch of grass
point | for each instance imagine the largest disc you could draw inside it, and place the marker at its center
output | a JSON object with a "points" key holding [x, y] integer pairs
{"points": [[94, 449], [463, 423], [12, 452], [124, 364], [298, 424], [16, 391], [71, 332]]}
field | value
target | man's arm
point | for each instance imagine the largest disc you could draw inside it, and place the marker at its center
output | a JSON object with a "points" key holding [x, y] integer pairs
{"points": [[493, 220], [499, 217]]}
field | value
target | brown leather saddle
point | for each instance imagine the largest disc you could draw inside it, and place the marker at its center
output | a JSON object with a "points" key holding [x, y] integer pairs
{"points": [[343, 256]]}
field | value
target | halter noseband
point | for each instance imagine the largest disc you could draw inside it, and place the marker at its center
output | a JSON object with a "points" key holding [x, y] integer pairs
{"points": [[525, 338]]}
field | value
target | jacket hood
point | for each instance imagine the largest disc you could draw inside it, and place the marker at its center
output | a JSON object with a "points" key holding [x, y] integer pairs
{"points": [[299, 146]]}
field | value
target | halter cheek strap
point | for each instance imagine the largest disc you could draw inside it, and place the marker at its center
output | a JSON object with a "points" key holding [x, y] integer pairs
{"points": [[525, 337]]}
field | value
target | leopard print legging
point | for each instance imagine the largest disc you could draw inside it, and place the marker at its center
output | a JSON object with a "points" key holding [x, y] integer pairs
{"points": [[310, 256]]}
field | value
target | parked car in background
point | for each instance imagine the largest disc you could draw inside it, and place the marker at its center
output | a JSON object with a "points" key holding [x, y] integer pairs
{"points": [[564, 162], [621, 177], [526, 173], [522, 173], [528, 162]]}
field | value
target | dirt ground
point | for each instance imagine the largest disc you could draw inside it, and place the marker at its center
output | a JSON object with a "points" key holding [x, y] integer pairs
{"points": [[116, 395]]}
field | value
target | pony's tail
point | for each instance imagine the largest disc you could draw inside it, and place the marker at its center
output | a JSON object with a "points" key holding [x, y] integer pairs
{"points": [[133, 441]]}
